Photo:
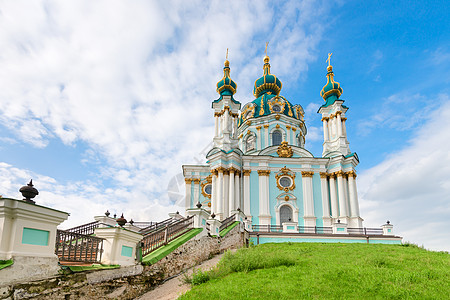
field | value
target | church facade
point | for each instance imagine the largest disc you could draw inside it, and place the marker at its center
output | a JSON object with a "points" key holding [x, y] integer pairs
{"points": [[259, 164]]}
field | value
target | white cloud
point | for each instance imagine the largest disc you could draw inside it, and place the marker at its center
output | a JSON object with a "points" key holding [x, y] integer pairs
{"points": [[134, 82], [411, 189]]}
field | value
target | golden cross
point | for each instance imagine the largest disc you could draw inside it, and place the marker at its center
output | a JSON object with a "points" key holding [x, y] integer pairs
{"points": [[329, 58], [227, 55], [265, 51]]}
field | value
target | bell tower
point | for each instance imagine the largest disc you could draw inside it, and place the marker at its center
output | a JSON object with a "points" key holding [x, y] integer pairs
{"points": [[333, 117]]}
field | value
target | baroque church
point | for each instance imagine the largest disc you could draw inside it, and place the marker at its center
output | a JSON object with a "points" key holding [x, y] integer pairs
{"points": [[259, 164]]}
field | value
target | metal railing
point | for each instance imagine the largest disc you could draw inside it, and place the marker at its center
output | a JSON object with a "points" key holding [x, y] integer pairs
{"points": [[76, 247], [227, 222], [162, 236], [156, 226], [86, 229], [318, 230], [143, 225]]}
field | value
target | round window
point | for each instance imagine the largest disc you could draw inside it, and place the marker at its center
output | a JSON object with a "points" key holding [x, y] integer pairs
{"points": [[276, 108], [208, 189], [285, 182]]}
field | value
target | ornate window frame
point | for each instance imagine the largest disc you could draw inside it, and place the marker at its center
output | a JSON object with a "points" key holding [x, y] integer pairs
{"points": [[285, 172], [203, 184], [280, 102], [249, 108]]}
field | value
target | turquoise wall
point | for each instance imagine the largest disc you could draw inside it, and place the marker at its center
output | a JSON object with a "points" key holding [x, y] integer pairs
{"points": [[33, 236], [317, 197], [254, 197]]}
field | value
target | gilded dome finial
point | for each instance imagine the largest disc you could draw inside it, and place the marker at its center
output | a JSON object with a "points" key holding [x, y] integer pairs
{"points": [[332, 88], [268, 83], [266, 57], [226, 85]]}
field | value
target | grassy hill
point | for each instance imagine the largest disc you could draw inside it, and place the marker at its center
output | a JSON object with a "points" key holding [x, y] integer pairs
{"points": [[326, 271]]}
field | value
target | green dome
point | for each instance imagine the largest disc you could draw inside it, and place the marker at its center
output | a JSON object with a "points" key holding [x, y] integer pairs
{"points": [[226, 86], [332, 89], [268, 82]]}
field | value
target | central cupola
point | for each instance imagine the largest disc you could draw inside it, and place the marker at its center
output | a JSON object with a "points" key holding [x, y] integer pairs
{"points": [[268, 82]]}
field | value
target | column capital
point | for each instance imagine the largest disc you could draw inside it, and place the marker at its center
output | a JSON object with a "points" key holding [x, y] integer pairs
{"points": [[263, 172], [220, 169], [196, 180], [288, 127], [344, 119], [339, 174], [258, 127], [226, 172], [188, 180], [351, 173], [324, 174], [294, 129], [325, 119], [338, 113], [307, 174], [266, 126], [246, 172]]}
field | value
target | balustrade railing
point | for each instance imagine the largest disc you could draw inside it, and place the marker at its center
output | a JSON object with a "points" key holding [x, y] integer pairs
{"points": [[227, 222], [76, 247], [318, 230], [156, 226], [162, 236], [86, 229]]}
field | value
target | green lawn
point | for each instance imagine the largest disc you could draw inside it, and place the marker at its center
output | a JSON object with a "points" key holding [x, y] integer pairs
{"points": [[326, 271]]}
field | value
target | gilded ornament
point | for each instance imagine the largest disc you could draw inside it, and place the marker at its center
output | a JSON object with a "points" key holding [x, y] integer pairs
{"points": [[288, 127], [286, 198], [277, 117], [203, 187], [307, 174], [258, 127], [249, 123], [188, 180], [285, 172], [284, 150], [196, 180], [323, 175], [266, 126], [263, 172], [339, 173], [294, 129], [261, 111], [325, 119], [246, 172], [276, 101]]}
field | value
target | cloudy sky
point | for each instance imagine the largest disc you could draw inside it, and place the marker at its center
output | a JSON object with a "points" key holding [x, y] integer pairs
{"points": [[101, 102]]}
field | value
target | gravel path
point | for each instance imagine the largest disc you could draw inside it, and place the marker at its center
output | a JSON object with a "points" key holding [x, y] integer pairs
{"points": [[175, 287]]}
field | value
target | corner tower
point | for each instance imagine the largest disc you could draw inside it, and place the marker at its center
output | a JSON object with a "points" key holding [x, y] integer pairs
{"points": [[333, 117]]}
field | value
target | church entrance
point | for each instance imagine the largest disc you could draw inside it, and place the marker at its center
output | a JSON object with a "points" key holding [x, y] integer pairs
{"points": [[285, 214]]}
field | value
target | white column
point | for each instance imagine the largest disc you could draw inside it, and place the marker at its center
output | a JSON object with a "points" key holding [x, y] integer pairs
{"points": [[353, 195], [196, 190], [264, 212], [266, 136], [187, 199], [258, 137], [247, 192], [333, 198], [235, 131], [308, 201], [216, 125], [330, 128], [288, 134], [344, 129], [339, 124], [325, 129], [214, 192], [219, 212], [226, 193], [231, 193], [342, 201], [237, 191], [226, 120], [325, 200]]}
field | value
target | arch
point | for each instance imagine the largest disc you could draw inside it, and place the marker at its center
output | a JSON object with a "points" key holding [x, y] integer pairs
{"points": [[286, 214], [277, 137]]}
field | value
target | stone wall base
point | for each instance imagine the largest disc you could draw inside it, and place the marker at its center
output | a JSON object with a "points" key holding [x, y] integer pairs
{"points": [[126, 282]]}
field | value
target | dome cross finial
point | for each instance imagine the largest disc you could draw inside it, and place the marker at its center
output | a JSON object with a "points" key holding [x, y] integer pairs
{"points": [[265, 51], [226, 57], [329, 59]]}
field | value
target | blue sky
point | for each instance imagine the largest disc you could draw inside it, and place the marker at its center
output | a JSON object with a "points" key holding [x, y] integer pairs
{"points": [[102, 102]]}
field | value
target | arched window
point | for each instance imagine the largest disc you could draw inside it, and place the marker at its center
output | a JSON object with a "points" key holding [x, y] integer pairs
{"points": [[285, 214], [250, 143], [277, 137]]}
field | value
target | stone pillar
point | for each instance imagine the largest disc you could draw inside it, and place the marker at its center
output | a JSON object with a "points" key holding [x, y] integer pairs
{"points": [[308, 201], [325, 129], [258, 137], [339, 228], [325, 200], [200, 216], [246, 174], [266, 135], [219, 212], [187, 199], [232, 192], [237, 191], [333, 197], [344, 129], [388, 228], [214, 191], [343, 212], [264, 212], [353, 197], [214, 226], [119, 246], [339, 123], [196, 182]]}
